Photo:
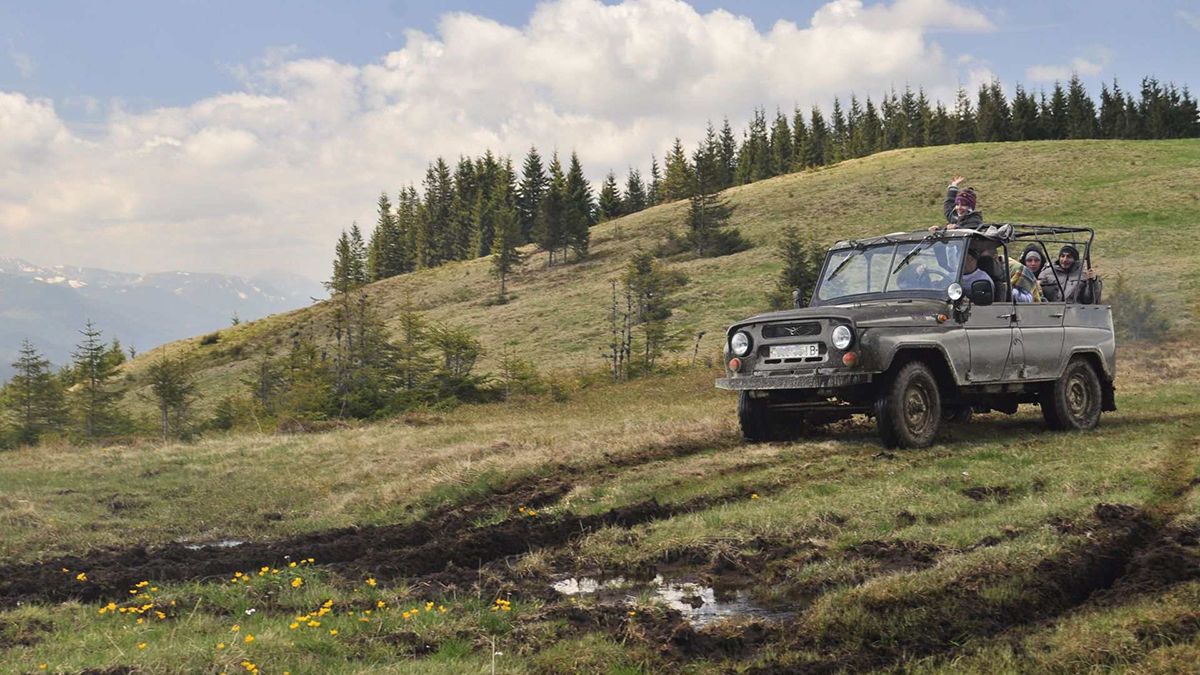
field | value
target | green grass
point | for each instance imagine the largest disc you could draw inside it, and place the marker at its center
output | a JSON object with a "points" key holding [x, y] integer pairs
{"points": [[789, 521]]}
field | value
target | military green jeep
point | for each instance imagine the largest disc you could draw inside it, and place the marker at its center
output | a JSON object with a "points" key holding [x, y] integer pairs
{"points": [[904, 328]]}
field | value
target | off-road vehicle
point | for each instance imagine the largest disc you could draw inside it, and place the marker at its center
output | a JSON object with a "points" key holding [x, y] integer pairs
{"points": [[892, 331]]}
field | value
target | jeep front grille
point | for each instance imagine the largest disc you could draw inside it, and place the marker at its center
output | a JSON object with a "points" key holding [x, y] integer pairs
{"points": [[783, 330]]}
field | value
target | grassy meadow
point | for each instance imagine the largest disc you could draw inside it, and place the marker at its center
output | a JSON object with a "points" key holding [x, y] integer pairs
{"points": [[436, 537]]}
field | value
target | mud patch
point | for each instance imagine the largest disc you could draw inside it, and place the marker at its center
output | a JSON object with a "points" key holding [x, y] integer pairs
{"points": [[897, 555], [997, 493]]}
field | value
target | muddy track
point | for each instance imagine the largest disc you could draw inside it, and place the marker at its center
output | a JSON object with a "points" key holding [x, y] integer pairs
{"points": [[445, 538], [417, 551]]}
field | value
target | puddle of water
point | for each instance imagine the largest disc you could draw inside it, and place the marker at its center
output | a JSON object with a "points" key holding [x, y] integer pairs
{"points": [[699, 604], [224, 543]]}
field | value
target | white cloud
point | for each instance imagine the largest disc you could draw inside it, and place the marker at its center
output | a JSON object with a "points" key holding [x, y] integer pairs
{"points": [[1084, 67], [1190, 18], [270, 172]]}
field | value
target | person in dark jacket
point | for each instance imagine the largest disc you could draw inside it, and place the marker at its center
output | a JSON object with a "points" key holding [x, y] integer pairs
{"points": [[1067, 281], [1034, 259], [960, 207]]}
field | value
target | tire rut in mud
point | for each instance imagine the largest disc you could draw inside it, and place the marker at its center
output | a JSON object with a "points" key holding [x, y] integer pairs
{"points": [[445, 537]]}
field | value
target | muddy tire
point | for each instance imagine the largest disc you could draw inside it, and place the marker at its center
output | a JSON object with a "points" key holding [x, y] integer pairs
{"points": [[760, 424], [1073, 401], [908, 411]]}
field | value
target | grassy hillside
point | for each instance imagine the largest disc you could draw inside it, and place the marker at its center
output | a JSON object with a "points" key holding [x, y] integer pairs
{"points": [[628, 529], [1141, 196]]}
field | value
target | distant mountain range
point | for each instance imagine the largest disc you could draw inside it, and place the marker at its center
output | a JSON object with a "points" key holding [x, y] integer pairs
{"points": [[49, 305]]}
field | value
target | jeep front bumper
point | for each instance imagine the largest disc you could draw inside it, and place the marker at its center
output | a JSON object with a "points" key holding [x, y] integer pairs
{"points": [[810, 381]]}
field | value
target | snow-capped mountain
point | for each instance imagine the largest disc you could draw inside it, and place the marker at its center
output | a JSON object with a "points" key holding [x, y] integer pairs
{"points": [[48, 305]]}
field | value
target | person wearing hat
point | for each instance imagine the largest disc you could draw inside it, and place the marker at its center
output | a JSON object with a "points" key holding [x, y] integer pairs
{"points": [[1067, 281], [959, 207], [1033, 259]]}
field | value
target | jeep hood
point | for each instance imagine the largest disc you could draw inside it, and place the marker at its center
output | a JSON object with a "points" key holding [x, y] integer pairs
{"points": [[866, 314]]}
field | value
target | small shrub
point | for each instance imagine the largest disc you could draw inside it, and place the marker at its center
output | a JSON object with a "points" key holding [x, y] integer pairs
{"points": [[210, 339], [1136, 314]]}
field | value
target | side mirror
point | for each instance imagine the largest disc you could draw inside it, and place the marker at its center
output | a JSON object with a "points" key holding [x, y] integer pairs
{"points": [[981, 293], [798, 298]]}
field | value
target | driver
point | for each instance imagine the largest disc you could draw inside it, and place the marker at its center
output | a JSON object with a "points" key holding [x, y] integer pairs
{"points": [[972, 273]]}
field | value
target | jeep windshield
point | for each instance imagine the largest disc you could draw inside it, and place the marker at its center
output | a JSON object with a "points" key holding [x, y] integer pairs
{"points": [[922, 268]]}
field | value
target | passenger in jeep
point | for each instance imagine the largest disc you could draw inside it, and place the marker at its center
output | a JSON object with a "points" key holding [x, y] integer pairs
{"points": [[1067, 281], [959, 206]]}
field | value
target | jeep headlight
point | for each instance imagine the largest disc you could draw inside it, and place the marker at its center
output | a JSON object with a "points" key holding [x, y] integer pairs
{"points": [[842, 337], [954, 292], [739, 344]]}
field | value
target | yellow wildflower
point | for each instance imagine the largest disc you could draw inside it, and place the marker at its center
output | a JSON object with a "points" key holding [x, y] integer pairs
{"points": [[160, 615], [141, 645], [754, 495], [140, 621], [291, 564], [142, 584], [632, 613], [82, 576], [364, 619], [333, 631], [235, 628], [406, 615], [442, 609], [314, 624], [248, 639], [43, 666], [371, 582], [220, 645], [294, 625], [297, 582], [154, 589], [380, 604]]}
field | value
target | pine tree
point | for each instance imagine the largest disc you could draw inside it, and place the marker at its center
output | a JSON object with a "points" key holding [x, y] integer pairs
{"points": [[781, 146], [357, 270], [1081, 111], [1112, 108], [708, 213], [839, 136], [895, 126], [964, 119], [801, 266], [173, 391], [1024, 116], [529, 195], [754, 157], [548, 230], [854, 129], [635, 193], [654, 192], [1056, 126], [92, 367], [609, 204], [872, 129], [434, 236], [678, 181], [799, 141], [817, 151], [993, 117], [648, 288], [384, 247], [507, 237], [726, 156], [342, 279], [941, 127], [33, 397], [579, 213], [463, 212], [408, 225]]}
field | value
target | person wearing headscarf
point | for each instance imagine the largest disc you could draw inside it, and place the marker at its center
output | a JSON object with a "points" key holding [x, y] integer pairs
{"points": [[1066, 280]]}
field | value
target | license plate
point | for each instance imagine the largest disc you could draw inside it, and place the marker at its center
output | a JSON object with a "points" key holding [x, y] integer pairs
{"points": [[805, 351]]}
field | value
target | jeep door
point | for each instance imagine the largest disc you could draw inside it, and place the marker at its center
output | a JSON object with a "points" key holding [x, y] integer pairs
{"points": [[1040, 334], [990, 336]]}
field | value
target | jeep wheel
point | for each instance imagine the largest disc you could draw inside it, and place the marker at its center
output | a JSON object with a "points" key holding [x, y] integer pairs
{"points": [[908, 411], [1072, 402], [759, 423]]}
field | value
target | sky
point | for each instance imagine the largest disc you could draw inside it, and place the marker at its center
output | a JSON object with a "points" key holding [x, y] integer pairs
{"points": [[237, 137]]}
